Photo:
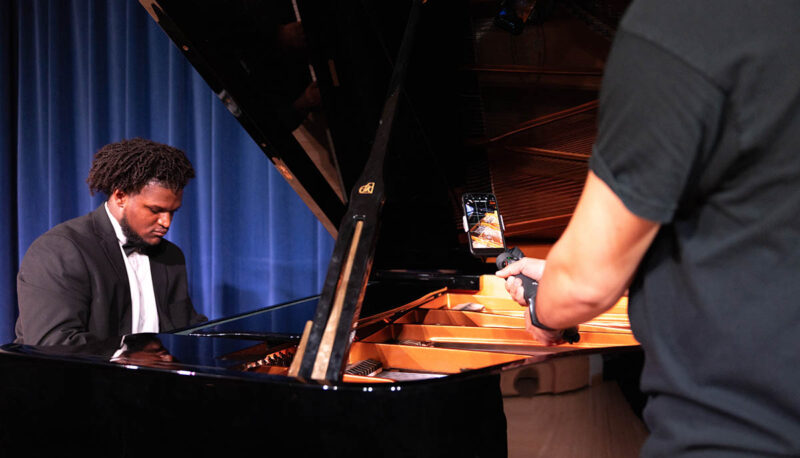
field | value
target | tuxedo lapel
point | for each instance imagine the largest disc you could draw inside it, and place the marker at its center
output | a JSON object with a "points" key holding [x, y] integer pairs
{"points": [[158, 271], [107, 239]]}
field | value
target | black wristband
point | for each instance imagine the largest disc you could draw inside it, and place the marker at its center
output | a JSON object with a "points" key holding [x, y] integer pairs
{"points": [[532, 310]]}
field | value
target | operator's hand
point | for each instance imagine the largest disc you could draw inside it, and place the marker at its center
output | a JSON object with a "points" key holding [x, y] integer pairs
{"points": [[546, 338], [530, 267], [533, 268]]}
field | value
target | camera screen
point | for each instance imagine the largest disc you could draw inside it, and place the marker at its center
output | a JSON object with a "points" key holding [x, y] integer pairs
{"points": [[484, 224]]}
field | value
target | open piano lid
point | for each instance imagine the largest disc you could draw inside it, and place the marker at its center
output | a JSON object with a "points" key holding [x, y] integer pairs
{"points": [[310, 94], [483, 111]]}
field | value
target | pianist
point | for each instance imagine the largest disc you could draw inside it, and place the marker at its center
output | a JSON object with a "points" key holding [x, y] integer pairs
{"points": [[110, 273], [694, 200]]}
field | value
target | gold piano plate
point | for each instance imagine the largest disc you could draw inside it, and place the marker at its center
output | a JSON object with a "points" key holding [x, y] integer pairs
{"points": [[451, 332]]}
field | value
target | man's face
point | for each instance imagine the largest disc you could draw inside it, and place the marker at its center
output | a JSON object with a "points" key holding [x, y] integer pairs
{"points": [[147, 215]]}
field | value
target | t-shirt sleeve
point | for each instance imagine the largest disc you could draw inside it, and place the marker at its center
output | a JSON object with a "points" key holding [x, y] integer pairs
{"points": [[658, 117]]}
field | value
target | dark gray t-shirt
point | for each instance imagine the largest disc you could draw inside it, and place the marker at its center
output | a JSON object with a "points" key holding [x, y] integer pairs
{"points": [[699, 129]]}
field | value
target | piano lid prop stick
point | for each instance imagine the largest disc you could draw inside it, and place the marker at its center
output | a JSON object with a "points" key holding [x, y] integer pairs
{"points": [[326, 344], [345, 283], [294, 368], [297, 17]]}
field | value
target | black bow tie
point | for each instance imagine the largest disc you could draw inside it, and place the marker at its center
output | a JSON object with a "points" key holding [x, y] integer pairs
{"points": [[130, 248]]}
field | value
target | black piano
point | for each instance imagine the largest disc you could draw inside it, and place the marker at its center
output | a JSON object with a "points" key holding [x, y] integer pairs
{"points": [[435, 99]]}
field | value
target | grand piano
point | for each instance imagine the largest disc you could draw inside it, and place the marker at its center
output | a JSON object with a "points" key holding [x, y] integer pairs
{"points": [[436, 360]]}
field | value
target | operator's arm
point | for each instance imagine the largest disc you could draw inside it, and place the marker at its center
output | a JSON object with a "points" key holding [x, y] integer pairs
{"points": [[592, 263]]}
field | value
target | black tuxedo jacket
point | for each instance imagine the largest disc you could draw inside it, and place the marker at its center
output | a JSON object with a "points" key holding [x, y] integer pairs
{"points": [[73, 287]]}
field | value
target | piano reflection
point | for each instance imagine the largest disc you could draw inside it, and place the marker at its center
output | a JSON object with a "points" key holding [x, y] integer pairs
{"points": [[428, 355]]}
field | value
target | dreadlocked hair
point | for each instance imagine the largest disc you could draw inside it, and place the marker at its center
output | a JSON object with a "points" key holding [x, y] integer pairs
{"points": [[129, 165]]}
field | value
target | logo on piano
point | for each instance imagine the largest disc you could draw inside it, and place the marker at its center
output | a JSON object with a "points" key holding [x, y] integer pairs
{"points": [[367, 188]]}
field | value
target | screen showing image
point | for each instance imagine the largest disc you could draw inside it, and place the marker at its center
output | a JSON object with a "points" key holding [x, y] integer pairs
{"points": [[483, 222]]}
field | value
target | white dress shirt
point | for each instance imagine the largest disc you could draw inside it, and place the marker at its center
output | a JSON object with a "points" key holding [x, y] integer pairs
{"points": [[144, 314]]}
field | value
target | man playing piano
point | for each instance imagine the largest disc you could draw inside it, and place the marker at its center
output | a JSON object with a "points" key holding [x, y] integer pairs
{"points": [[693, 202], [110, 272]]}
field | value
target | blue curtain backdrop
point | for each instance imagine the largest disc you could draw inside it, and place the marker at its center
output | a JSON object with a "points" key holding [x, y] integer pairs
{"points": [[76, 75]]}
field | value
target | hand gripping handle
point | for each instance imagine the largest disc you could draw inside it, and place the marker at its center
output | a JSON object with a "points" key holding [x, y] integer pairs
{"points": [[530, 286]]}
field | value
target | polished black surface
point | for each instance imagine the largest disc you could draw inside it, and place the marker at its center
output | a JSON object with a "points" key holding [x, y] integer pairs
{"points": [[257, 58], [52, 404], [193, 395], [182, 355]]}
